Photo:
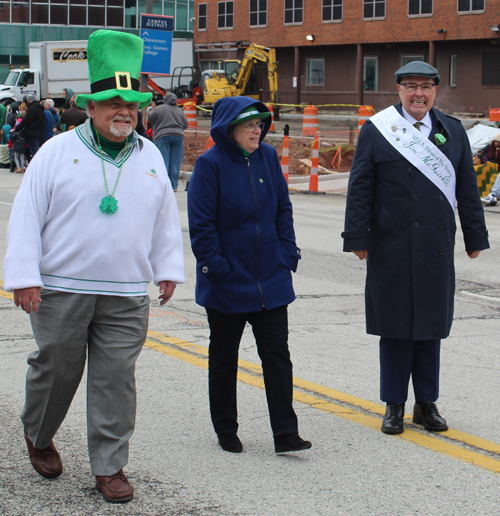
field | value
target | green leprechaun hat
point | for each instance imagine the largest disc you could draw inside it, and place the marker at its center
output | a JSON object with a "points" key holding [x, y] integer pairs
{"points": [[115, 60]]}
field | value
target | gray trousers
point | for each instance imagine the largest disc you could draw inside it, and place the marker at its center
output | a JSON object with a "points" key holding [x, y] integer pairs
{"points": [[67, 327]]}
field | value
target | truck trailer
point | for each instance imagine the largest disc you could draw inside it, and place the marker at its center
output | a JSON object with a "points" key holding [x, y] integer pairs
{"points": [[53, 66]]}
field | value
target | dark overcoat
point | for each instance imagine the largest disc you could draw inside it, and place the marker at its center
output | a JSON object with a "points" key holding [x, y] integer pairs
{"points": [[408, 227]]}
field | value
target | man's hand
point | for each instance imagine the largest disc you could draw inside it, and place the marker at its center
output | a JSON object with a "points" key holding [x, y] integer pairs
{"points": [[473, 254], [362, 255], [27, 298], [166, 291]]}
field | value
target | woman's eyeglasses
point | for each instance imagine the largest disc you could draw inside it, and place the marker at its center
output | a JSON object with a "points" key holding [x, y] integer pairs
{"points": [[252, 126]]}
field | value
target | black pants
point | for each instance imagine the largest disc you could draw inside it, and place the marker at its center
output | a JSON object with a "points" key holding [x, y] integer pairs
{"points": [[400, 359], [270, 328]]}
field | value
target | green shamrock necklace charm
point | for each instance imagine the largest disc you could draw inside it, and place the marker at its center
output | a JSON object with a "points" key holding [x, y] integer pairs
{"points": [[109, 204]]}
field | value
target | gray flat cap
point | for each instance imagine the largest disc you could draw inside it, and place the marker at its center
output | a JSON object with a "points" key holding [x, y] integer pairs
{"points": [[417, 69], [31, 97]]}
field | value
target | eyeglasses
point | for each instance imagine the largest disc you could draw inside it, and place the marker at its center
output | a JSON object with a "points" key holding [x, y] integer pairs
{"points": [[412, 87], [251, 127]]}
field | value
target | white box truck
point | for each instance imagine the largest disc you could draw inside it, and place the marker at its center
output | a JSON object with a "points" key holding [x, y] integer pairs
{"points": [[54, 65]]}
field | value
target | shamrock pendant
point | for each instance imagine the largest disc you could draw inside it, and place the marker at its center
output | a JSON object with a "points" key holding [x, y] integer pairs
{"points": [[109, 204]]}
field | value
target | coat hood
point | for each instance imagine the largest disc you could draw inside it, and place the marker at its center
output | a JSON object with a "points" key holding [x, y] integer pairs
{"points": [[171, 98], [224, 112], [69, 94]]}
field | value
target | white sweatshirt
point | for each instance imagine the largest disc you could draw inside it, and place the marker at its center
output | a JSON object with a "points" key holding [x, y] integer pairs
{"points": [[59, 239]]}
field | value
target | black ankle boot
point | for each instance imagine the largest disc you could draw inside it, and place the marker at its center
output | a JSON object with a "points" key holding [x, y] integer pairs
{"points": [[290, 442], [230, 443]]}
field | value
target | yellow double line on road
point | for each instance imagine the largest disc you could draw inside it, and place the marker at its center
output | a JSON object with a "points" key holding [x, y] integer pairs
{"points": [[452, 443]]}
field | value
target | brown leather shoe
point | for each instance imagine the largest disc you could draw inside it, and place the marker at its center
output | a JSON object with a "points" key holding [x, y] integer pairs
{"points": [[115, 488], [46, 461]]}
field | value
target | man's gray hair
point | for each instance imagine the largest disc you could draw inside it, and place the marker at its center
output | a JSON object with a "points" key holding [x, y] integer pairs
{"points": [[49, 102], [87, 106]]}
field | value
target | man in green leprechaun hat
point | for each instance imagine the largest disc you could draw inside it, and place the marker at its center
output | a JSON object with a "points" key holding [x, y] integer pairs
{"points": [[94, 221]]}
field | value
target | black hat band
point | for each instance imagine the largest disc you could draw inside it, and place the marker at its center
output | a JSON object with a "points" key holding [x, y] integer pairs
{"points": [[121, 81]]}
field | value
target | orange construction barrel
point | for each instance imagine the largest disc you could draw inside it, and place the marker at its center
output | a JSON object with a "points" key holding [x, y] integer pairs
{"points": [[365, 112], [310, 125], [191, 114], [495, 115]]}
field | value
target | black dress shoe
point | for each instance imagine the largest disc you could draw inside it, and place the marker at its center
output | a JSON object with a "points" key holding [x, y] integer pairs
{"points": [[428, 415], [290, 443], [393, 419], [230, 443]]}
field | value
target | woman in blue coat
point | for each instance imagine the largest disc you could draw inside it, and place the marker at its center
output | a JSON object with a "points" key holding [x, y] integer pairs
{"points": [[241, 228]]}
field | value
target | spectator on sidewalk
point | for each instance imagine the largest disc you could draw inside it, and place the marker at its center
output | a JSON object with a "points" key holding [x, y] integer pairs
{"points": [[51, 116], [34, 125], [168, 122], [74, 116]]}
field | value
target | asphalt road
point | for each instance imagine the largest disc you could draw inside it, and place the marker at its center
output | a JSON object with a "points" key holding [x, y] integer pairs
{"points": [[175, 463]]}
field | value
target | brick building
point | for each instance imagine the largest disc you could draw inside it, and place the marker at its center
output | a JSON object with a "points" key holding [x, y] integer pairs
{"points": [[346, 51]]}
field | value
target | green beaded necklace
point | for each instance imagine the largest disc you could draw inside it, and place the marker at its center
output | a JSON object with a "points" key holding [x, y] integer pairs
{"points": [[109, 204]]}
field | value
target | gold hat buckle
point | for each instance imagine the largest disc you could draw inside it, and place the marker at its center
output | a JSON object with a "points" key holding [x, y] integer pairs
{"points": [[120, 77]]}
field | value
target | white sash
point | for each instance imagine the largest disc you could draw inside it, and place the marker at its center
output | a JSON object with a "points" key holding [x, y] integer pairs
{"points": [[418, 150]]}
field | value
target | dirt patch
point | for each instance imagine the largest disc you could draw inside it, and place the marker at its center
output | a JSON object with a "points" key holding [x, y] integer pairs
{"points": [[331, 158]]}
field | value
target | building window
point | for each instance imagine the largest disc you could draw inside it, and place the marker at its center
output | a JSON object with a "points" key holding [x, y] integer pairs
{"points": [[370, 73], [258, 13], [491, 69], [110, 13], [202, 16], [332, 10], [466, 6], [453, 71], [409, 59], [373, 9], [225, 15], [315, 72], [419, 7], [294, 11]]}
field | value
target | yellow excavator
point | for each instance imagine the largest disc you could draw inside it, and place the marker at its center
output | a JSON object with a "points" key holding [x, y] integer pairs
{"points": [[240, 77]]}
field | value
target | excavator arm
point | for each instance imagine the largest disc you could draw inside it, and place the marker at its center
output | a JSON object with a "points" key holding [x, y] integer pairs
{"points": [[258, 53]]}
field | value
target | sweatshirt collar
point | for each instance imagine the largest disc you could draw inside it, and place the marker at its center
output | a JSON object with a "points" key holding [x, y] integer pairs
{"points": [[85, 132]]}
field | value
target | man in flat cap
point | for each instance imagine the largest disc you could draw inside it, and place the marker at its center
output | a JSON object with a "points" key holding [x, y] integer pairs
{"points": [[412, 165], [94, 221]]}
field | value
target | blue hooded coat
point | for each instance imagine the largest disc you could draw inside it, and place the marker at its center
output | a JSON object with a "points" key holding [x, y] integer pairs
{"points": [[240, 221]]}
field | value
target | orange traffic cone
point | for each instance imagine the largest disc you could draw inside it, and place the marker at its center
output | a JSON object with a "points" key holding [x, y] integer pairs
{"points": [[313, 181], [270, 107], [208, 144], [284, 157]]}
